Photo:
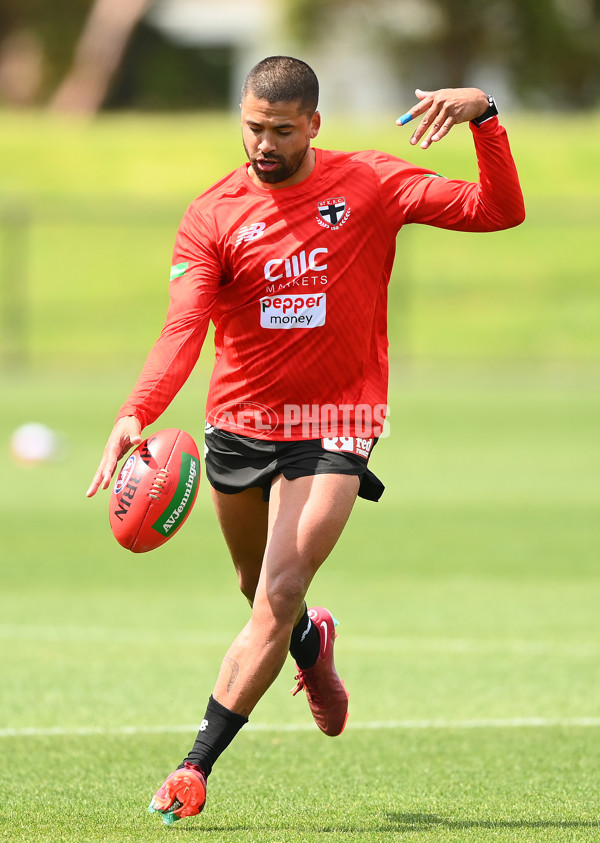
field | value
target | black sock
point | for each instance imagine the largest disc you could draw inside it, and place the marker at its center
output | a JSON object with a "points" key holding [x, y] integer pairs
{"points": [[218, 729], [305, 642]]}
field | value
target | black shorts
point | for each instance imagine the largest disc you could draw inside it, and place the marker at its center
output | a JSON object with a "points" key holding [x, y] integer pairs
{"points": [[235, 463]]}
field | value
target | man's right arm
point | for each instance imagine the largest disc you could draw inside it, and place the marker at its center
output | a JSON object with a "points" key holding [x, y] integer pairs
{"points": [[194, 285]]}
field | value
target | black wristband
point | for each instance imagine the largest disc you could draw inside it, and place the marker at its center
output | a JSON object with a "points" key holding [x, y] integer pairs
{"points": [[491, 111]]}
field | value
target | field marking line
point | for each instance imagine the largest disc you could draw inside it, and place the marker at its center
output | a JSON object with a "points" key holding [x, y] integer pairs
{"points": [[375, 726], [71, 634], [350, 643], [471, 646]]}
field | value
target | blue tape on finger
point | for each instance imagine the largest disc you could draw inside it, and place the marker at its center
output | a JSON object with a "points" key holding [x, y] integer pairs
{"points": [[406, 118]]}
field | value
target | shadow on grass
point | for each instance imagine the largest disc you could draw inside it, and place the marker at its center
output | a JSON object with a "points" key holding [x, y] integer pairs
{"points": [[425, 822], [404, 822]]}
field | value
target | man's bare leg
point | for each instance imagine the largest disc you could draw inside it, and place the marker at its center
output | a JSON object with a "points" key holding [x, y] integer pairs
{"points": [[306, 518], [243, 518]]}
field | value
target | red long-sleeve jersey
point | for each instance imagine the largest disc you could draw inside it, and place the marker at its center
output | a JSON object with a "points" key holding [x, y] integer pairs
{"points": [[295, 280]]}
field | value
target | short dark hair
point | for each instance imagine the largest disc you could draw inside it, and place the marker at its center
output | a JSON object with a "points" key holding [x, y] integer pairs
{"points": [[283, 79]]}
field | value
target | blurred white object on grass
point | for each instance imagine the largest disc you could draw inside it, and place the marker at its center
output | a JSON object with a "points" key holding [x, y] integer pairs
{"points": [[34, 443]]}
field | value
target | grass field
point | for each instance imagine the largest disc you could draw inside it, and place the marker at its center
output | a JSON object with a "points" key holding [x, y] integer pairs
{"points": [[103, 201], [467, 598]]}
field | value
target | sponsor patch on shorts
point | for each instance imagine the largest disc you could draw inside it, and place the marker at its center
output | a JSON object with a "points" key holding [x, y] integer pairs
{"points": [[293, 311], [349, 445]]}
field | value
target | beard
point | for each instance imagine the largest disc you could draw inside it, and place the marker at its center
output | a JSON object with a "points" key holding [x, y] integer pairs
{"points": [[285, 169]]}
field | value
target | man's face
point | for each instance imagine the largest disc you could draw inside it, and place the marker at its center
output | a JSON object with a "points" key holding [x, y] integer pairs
{"points": [[277, 140]]}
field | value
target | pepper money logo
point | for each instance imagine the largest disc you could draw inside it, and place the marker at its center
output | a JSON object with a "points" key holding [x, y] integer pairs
{"points": [[295, 311]]}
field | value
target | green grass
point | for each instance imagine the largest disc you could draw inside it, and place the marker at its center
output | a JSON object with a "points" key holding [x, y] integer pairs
{"points": [[104, 200], [468, 604], [467, 597]]}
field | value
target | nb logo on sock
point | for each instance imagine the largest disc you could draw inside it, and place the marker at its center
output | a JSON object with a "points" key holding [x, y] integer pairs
{"points": [[203, 725], [306, 631]]}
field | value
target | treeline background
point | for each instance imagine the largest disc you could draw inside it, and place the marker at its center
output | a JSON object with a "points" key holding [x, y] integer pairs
{"points": [[85, 55]]}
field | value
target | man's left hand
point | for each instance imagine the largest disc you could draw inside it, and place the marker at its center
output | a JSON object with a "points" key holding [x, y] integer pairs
{"points": [[444, 109]]}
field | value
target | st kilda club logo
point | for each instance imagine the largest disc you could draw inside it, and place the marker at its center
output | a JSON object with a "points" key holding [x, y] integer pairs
{"points": [[333, 212]]}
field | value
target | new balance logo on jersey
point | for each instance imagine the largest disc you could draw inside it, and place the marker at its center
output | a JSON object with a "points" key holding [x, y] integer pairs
{"points": [[250, 232]]}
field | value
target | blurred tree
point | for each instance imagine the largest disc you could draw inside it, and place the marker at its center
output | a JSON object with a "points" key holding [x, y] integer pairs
{"points": [[158, 74], [21, 67], [98, 54], [80, 55], [548, 50], [555, 51], [36, 41]]}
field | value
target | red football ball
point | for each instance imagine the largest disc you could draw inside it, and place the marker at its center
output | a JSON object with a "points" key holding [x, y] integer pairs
{"points": [[155, 490]]}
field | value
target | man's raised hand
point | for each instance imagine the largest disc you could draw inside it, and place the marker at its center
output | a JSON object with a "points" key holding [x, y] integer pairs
{"points": [[442, 110]]}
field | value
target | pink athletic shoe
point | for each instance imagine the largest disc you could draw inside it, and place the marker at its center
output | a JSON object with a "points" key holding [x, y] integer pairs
{"points": [[327, 696], [183, 794]]}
